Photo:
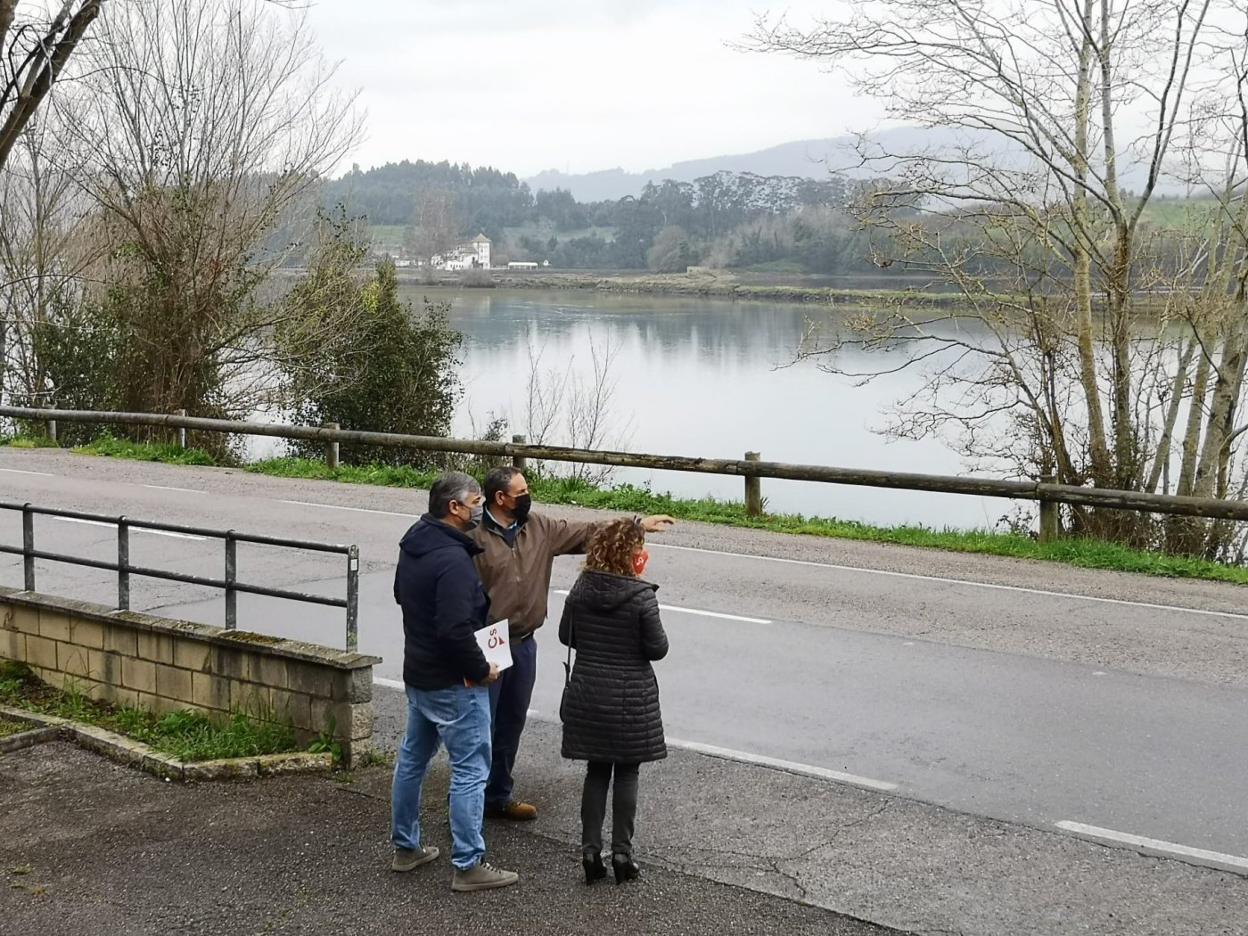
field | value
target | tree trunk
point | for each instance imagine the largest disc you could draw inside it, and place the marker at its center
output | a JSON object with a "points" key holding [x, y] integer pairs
{"points": [[1222, 408], [1084, 235], [1165, 443]]}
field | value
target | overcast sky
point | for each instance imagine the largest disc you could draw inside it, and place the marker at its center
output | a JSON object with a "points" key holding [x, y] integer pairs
{"points": [[580, 85]]}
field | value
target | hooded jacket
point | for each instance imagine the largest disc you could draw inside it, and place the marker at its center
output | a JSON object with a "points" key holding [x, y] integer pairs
{"points": [[443, 602], [611, 706]]}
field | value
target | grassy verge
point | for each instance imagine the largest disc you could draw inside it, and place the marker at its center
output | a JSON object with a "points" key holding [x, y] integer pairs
{"points": [[188, 736], [1092, 554], [26, 442], [1085, 553], [109, 447], [9, 727]]}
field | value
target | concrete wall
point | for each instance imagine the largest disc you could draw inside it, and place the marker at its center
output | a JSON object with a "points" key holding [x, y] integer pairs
{"points": [[163, 665]]}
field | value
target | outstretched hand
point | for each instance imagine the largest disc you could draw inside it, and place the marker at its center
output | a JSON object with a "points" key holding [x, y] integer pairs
{"points": [[657, 523]]}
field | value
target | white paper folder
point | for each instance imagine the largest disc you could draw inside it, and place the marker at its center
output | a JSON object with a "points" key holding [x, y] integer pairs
{"points": [[495, 642]]}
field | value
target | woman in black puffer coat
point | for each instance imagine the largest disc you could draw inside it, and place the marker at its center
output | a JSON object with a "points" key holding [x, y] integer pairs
{"points": [[610, 707]]}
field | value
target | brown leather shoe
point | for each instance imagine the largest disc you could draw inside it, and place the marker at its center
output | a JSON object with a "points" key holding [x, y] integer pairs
{"points": [[515, 811]]}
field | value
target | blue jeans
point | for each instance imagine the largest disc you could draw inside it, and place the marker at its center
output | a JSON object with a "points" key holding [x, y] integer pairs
{"points": [[509, 707], [459, 717]]}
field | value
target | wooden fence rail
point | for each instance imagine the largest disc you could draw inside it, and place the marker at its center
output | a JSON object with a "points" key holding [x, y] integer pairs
{"points": [[751, 468]]}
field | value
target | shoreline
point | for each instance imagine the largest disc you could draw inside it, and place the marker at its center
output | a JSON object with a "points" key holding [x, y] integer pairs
{"points": [[705, 283], [701, 284]]}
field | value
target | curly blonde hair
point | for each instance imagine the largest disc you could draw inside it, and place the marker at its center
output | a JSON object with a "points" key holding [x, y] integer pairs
{"points": [[611, 548]]}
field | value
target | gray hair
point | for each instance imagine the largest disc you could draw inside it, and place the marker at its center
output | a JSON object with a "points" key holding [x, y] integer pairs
{"points": [[452, 486]]}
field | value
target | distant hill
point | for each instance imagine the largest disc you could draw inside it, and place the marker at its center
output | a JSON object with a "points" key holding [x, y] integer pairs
{"points": [[808, 159], [811, 159]]}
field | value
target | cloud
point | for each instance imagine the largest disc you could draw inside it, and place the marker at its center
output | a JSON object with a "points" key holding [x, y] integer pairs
{"points": [[581, 86]]}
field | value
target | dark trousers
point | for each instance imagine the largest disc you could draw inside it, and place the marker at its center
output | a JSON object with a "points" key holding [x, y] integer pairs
{"points": [[509, 707], [623, 807]]}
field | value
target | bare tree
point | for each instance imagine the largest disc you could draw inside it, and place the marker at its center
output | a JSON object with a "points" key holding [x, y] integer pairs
{"points": [[591, 418], [45, 252], [564, 407], [34, 51], [435, 224], [203, 130], [1088, 331], [33, 54], [545, 397]]}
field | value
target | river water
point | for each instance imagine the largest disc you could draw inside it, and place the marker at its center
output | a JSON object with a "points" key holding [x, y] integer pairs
{"points": [[704, 377]]}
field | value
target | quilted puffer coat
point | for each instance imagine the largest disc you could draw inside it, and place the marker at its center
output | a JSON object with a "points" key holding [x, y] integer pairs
{"points": [[610, 709]]}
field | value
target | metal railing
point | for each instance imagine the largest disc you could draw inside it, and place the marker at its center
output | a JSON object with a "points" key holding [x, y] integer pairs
{"points": [[230, 584], [751, 468]]}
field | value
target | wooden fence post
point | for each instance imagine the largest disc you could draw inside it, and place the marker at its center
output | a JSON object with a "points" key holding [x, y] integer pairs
{"points": [[331, 449], [519, 462], [1050, 518], [753, 489], [1050, 495]]}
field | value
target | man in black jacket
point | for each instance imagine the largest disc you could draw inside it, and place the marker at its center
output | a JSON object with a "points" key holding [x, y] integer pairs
{"points": [[446, 678]]}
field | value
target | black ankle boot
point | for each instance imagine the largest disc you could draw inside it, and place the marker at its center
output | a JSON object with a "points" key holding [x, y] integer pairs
{"points": [[625, 868], [595, 870]]}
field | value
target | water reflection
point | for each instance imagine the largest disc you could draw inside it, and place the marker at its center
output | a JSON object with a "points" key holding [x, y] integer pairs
{"points": [[711, 378]]}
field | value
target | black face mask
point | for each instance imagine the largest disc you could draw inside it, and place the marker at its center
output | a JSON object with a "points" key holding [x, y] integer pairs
{"points": [[524, 503]]}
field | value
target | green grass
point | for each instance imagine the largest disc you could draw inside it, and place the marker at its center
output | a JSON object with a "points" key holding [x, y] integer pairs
{"points": [[186, 735], [625, 498], [26, 442], [9, 727], [1175, 212], [545, 230], [792, 267], [387, 233], [110, 447], [379, 475]]}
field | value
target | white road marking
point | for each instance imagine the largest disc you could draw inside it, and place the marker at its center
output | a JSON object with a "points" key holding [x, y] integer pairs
{"points": [[41, 474], [384, 513], [113, 526], [744, 757], [710, 614], [954, 581], [162, 487], [1167, 849], [171, 533], [777, 764], [99, 523]]}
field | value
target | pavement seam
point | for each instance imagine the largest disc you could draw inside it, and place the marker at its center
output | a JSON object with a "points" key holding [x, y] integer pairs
{"points": [[657, 859]]}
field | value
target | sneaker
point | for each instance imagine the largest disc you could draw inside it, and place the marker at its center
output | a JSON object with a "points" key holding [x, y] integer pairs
{"points": [[513, 810], [405, 859], [482, 876]]}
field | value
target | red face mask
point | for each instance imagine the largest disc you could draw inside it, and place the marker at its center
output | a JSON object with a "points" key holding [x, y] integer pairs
{"points": [[639, 562]]}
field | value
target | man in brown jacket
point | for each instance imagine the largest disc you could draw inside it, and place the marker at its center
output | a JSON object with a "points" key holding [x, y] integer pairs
{"points": [[518, 551]]}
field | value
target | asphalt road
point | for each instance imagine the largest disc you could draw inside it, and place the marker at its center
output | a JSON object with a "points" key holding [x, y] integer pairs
{"points": [[1028, 693]]}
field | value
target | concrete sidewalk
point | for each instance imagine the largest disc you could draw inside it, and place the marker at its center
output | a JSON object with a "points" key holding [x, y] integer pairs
{"points": [[88, 847], [875, 856]]}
